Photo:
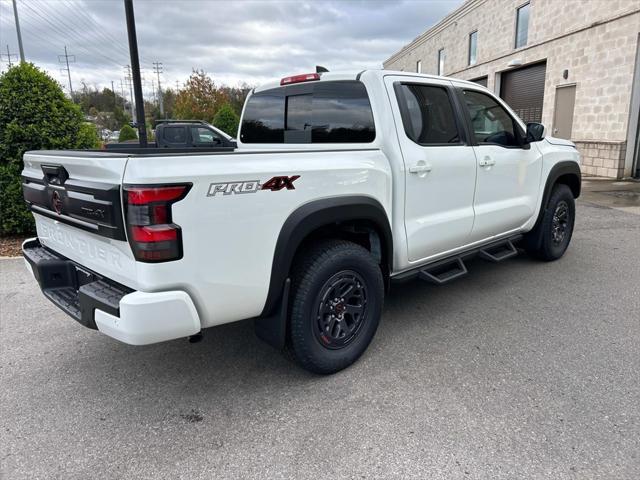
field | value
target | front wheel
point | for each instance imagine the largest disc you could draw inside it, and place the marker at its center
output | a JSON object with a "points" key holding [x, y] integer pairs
{"points": [[337, 296], [551, 237]]}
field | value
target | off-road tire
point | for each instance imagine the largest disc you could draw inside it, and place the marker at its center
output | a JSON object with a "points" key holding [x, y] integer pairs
{"points": [[320, 271], [550, 238]]}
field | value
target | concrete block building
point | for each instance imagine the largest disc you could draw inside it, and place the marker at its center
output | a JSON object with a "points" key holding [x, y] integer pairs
{"points": [[573, 65]]}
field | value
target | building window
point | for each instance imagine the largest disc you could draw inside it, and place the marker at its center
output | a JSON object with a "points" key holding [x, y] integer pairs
{"points": [[473, 48], [419, 66], [441, 61], [522, 25]]}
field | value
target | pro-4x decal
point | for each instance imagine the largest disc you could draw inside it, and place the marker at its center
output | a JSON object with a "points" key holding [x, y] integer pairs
{"points": [[274, 184], [278, 183]]}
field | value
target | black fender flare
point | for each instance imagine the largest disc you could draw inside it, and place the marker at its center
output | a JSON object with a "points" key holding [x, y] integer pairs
{"points": [[558, 170], [316, 214]]}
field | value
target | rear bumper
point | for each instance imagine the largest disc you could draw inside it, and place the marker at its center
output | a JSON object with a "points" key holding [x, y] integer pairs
{"points": [[97, 302]]}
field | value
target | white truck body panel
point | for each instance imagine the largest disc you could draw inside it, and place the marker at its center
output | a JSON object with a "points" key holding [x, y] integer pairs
{"points": [[438, 200]]}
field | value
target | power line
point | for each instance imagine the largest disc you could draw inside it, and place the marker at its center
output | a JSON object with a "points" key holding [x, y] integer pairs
{"points": [[33, 22], [96, 31], [93, 26], [66, 33], [96, 28]]}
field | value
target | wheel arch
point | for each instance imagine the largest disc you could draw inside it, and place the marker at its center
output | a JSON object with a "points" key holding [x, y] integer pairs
{"points": [[344, 216], [565, 173]]}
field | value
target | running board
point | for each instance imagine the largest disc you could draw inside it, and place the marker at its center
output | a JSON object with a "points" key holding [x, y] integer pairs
{"points": [[498, 252], [444, 272], [448, 269]]}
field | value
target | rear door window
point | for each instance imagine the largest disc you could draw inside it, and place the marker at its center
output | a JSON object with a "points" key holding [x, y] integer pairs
{"points": [[427, 114], [175, 135], [324, 112]]}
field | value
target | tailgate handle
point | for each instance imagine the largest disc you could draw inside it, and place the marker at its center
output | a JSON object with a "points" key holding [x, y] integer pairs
{"points": [[55, 174]]}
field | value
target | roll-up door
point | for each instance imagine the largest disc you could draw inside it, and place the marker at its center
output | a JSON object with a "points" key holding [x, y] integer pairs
{"points": [[523, 90], [481, 81]]}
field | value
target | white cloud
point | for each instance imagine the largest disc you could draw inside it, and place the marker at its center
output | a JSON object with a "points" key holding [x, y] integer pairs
{"points": [[234, 41]]}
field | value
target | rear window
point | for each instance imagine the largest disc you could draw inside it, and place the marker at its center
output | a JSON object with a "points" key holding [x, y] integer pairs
{"points": [[175, 134], [323, 112]]}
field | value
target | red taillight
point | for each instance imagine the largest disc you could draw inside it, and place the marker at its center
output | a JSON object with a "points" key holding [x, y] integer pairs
{"points": [[155, 233], [144, 195], [305, 77], [152, 235]]}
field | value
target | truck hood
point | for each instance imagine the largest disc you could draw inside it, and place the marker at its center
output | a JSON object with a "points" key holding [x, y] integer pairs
{"points": [[560, 141]]}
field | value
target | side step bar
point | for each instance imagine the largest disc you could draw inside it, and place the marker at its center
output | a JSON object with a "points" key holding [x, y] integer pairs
{"points": [[448, 269], [443, 272], [498, 251]]}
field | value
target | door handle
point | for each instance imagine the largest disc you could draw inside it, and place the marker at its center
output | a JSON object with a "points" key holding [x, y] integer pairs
{"points": [[420, 168], [487, 162]]}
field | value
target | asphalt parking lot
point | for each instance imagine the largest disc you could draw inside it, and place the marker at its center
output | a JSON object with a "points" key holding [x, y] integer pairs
{"points": [[519, 370]]}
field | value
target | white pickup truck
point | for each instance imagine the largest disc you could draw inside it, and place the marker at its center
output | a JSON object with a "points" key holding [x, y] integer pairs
{"points": [[341, 185]]}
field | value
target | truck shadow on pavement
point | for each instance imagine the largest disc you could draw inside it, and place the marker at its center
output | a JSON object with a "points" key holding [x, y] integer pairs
{"points": [[231, 361]]}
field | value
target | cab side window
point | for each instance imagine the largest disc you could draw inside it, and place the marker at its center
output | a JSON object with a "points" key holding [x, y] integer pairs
{"points": [[204, 136], [177, 135], [490, 122], [427, 114]]}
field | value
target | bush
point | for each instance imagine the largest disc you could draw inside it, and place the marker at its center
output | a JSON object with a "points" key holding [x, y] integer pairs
{"points": [[227, 120], [34, 115], [88, 135], [127, 133]]}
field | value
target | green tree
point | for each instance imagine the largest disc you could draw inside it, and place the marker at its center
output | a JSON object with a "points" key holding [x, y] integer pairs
{"points": [[199, 99], [127, 133], [169, 102], [120, 117], [235, 96], [34, 115], [227, 120]]}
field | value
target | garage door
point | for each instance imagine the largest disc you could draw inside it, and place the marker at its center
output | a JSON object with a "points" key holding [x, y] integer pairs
{"points": [[481, 81], [523, 90]]}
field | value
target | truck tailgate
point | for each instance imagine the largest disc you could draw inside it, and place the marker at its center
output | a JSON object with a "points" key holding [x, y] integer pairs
{"points": [[77, 203]]}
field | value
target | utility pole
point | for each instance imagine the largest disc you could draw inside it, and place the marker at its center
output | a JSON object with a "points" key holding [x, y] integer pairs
{"points": [[128, 80], [177, 86], [135, 70], [115, 98], [124, 99], [15, 14], [157, 68], [66, 60], [8, 55]]}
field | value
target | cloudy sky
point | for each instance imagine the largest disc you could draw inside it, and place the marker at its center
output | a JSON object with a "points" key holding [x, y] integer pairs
{"points": [[234, 41]]}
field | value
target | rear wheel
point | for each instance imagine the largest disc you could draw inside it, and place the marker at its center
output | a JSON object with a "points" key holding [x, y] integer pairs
{"points": [[337, 296], [550, 239]]}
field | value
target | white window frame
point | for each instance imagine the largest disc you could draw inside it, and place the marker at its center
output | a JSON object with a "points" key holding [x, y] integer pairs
{"points": [[475, 52], [526, 40]]}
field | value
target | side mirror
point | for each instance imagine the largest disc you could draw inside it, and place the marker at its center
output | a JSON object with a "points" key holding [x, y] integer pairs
{"points": [[535, 132]]}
